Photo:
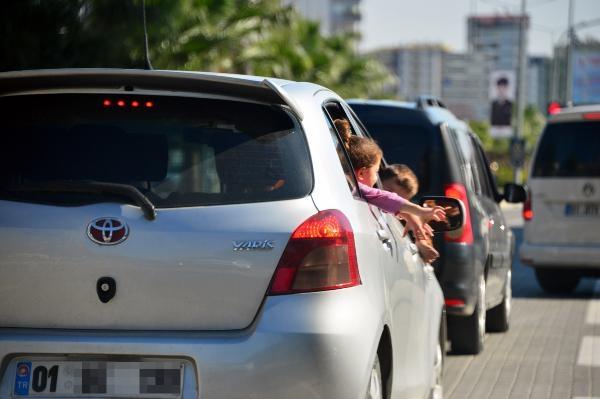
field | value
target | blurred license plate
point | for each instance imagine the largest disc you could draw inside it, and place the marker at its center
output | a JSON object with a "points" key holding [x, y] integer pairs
{"points": [[582, 209], [98, 379]]}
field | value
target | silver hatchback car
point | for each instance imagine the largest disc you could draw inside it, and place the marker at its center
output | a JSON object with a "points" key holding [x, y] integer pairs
{"points": [[191, 235]]}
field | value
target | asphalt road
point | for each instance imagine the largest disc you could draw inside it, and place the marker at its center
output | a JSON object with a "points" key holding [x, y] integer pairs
{"points": [[552, 349]]}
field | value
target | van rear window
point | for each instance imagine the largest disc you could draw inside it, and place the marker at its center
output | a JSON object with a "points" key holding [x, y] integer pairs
{"points": [[177, 151], [569, 149]]}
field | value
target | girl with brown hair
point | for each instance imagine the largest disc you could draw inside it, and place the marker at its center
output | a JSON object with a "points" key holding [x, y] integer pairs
{"points": [[365, 156]]}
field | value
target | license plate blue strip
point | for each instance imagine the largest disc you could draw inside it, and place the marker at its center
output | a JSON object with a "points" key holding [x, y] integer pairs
{"points": [[22, 378]]}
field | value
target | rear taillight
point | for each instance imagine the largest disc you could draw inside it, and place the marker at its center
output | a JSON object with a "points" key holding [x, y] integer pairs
{"points": [[319, 256], [463, 235], [452, 303], [527, 211]]}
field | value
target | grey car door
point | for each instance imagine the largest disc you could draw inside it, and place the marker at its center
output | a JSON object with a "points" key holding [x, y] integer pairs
{"points": [[499, 233]]}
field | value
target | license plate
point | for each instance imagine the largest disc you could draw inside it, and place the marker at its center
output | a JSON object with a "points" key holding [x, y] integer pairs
{"points": [[97, 379], [582, 209]]}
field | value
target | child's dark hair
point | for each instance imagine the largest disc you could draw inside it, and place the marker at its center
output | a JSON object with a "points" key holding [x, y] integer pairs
{"points": [[363, 152], [404, 176]]}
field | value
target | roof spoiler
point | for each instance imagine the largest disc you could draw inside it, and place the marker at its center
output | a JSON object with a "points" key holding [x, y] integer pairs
{"points": [[289, 101], [266, 90]]}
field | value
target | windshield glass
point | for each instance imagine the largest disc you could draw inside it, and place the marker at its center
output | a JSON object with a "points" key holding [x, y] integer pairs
{"points": [[176, 151], [569, 149]]}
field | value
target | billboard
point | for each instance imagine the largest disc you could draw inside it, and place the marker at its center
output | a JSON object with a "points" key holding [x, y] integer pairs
{"points": [[502, 88], [586, 76]]}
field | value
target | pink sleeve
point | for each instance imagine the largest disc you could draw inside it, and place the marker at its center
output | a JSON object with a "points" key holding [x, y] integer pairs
{"points": [[386, 200]]}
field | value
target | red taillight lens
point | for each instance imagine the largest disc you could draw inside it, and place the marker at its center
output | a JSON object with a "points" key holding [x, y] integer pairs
{"points": [[319, 256], [527, 211], [553, 108], [464, 234], [592, 116], [454, 302]]}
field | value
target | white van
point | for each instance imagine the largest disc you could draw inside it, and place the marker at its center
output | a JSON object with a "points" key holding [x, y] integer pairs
{"points": [[562, 214]]}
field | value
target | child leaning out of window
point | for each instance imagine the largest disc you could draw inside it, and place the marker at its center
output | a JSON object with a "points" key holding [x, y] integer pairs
{"points": [[365, 156]]}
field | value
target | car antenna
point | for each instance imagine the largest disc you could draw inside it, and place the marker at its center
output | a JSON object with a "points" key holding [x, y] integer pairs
{"points": [[147, 64]]}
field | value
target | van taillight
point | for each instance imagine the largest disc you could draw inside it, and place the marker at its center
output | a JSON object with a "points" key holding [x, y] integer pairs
{"points": [[319, 256], [527, 211], [464, 234], [592, 116]]}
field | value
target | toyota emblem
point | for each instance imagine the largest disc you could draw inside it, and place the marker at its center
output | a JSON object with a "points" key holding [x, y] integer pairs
{"points": [[107, 231], [588, 190]]}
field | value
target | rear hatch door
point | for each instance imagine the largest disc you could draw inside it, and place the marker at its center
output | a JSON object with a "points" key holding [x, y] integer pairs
{"points": [[565, 185], [230, 181]]}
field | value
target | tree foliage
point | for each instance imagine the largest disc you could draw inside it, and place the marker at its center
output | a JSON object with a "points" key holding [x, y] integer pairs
{"points": [[498, 149], [231, 36]]}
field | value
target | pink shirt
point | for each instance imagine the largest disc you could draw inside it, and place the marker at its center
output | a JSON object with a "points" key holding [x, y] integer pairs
{"points": [[386, 200]]}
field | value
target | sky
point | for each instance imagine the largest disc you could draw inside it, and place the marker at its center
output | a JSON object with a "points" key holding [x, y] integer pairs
{"points": [[388, 23]]}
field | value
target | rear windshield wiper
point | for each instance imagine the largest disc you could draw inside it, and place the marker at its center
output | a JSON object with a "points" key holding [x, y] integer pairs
{"points": [[91, 187]]}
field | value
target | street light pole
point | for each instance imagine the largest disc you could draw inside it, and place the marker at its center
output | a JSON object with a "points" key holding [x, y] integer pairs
{"points": [[518, 175], [569, 60]]}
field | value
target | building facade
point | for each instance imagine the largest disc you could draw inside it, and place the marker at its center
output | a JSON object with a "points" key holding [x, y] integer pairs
{"points": [[334, 16], [418, 69], [539, 82], [465, 83], [498, 38]]}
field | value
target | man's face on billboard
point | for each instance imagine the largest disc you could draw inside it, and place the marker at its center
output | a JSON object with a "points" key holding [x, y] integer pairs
{"points": [[502, 90]]}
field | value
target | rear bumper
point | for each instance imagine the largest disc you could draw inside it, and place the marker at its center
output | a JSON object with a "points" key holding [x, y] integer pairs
{"points": [[456, 271], [542, 255], [291, 351]]}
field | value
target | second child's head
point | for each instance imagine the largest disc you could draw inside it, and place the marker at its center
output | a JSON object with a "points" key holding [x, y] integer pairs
{"points": [[364, 153], [401, 180]]}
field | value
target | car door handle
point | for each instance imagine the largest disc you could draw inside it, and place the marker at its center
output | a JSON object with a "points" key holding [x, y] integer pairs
{"points": [[383, 235], [429, 271], [413, 248]]}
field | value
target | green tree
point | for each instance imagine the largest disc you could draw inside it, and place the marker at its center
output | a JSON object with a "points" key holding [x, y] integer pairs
{"points": [[233, 36]]}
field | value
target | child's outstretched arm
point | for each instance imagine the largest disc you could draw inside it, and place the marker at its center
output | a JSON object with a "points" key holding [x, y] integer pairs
{"points": [[426, 215]]}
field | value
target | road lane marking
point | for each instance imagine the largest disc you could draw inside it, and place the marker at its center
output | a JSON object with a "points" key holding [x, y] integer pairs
{"points": [[593, 311], [589, 349]]}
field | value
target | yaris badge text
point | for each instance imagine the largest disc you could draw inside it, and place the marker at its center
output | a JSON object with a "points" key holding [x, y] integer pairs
{"points": [[107, 231], [253, 245]]}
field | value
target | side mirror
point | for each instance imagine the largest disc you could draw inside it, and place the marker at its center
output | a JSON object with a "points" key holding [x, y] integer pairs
{"points": [[455, 212], [514, 193]]}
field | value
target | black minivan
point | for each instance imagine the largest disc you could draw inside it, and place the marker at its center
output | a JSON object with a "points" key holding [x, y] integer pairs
{"points": [[474, 267]]}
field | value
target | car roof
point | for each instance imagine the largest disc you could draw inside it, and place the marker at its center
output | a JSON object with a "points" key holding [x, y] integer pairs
{"points": [[256, 88], [434, 114], [575, 113]]}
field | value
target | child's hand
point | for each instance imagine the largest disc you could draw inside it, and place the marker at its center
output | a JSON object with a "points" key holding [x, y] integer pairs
{"points": [[414, 223], [427, 251], [436, 213]]}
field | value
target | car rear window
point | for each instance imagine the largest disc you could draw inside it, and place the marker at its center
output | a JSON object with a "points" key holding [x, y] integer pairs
{"points": [[569, 149], [415, 145], [177, 151]]}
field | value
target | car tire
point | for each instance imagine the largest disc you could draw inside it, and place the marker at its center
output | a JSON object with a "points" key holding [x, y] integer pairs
{"points": [[375, 388], [557, 281], [498, 318], [437, 390], [468, 333]]}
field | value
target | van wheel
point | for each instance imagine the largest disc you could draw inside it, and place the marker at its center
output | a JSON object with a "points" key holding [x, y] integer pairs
{"points": [[557, 281], [375, 389], [467, 333], [498, 318]]}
